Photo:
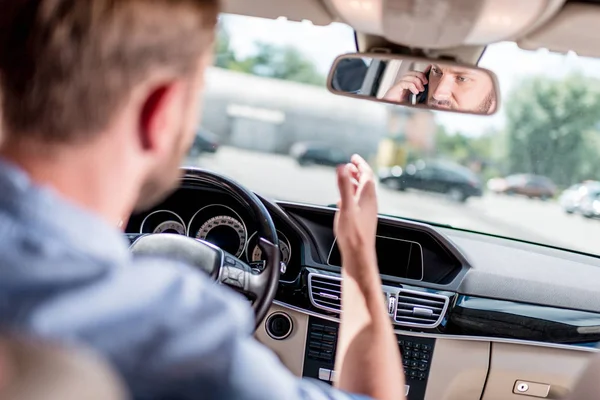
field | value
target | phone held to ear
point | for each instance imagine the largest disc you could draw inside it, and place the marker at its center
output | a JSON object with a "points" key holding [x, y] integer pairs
{"points": [[421, 98]]}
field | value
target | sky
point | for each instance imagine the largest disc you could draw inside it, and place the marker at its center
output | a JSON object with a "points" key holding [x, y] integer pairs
{"points": [[322, 44]]}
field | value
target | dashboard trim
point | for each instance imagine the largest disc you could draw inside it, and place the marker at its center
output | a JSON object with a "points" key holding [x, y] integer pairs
{"points": [[452, 337]]}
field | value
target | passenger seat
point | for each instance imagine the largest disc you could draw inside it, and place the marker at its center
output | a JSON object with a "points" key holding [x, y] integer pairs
{"points": [[31, 370]]}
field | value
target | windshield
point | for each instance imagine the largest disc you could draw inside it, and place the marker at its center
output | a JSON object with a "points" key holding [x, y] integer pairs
{"points": [[276, 129]]}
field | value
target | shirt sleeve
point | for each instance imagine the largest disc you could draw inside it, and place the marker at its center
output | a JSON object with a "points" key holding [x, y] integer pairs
{"points": [[175, 334]]}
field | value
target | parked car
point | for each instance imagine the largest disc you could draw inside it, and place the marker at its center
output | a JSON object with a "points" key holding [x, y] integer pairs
{"points": [[590, 205], [319, 154], [529, 185], [458, 182], [570, 200], [204, 142]]}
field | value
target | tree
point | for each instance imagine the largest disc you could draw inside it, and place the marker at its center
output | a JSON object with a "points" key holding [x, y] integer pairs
{"points": [[479, 152], [550, 124], [271, 61], [224, 55]]}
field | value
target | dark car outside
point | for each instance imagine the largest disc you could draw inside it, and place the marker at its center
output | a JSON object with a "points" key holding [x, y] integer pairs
{"points": [[457, 182], [204, 142], [318, 154]]}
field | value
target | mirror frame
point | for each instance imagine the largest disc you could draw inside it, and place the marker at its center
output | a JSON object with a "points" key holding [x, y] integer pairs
{"points": [[390, 56]]}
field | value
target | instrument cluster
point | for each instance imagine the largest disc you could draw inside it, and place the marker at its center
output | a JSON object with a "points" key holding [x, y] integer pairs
{"points": [[218, 224]]}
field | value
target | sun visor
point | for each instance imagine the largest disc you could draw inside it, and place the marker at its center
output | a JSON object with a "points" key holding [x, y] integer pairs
{"points": [[296, 10], [575, 28], [436, 24]]}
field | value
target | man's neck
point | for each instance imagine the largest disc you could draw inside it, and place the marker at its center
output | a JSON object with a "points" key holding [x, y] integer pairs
{"points": [[89, 178]]}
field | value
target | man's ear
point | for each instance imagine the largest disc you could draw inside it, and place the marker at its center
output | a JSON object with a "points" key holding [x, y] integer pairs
{"points": [[156, 118]]}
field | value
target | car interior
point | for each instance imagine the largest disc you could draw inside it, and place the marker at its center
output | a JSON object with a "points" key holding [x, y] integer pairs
{"points": [[477, 317]]}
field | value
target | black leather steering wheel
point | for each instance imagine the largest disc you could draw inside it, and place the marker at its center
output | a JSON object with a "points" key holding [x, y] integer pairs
{"points": [[220, 265]]}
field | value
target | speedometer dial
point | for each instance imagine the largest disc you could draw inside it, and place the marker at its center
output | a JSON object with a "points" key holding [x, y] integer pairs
{"points": [[226, 232], [170, 227]]}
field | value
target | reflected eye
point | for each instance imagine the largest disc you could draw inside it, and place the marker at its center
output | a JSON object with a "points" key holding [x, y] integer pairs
{"points": [[436, 71], [462, 79]]}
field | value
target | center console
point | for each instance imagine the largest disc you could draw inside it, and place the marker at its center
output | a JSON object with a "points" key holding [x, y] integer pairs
{"points": [[319, 356]]}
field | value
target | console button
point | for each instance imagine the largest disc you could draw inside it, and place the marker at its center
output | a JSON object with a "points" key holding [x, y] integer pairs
{"points": [[333, 376], [324, 374]]}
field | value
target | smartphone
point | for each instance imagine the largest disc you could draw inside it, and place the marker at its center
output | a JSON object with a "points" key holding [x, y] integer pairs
{"points": [[421, 98]]}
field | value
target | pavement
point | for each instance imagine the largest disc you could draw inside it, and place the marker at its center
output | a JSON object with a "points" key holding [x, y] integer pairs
{"points": [[280, 177]]}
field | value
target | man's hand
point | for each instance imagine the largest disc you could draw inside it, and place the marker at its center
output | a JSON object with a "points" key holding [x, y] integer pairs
{"points": [[356, 221], [367, 358], [412, 83]]}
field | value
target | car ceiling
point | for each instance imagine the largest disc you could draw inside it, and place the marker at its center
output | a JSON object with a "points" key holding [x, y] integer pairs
{"points": [[458, 29]]}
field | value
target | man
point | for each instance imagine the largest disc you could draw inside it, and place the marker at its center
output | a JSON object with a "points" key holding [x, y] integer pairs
{"points": [[99, 105], [447, 87]]}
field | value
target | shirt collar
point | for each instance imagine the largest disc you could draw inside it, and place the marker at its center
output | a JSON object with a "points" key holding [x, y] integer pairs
{"points": [[42, 207]]}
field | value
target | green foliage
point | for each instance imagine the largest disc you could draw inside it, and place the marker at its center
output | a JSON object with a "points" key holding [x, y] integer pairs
{"points": [[279, 62], [551, 128]]}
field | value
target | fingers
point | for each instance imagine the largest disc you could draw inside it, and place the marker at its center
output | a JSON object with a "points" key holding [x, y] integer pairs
{"points": [[414, 83], [366, 193], [346, 187], [363, 169]]}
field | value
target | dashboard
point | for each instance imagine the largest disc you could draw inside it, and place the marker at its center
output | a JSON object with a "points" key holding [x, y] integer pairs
{"points": [[476, 316]]}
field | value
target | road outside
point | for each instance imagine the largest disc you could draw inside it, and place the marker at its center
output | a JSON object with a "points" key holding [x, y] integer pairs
{"points": [[281, 178]]}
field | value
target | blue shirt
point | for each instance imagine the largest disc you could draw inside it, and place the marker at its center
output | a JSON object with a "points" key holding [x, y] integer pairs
{"points": [[169, 330]]}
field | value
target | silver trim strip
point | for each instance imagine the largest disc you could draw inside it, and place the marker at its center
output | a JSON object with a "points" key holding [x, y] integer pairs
{"points": [[159, 211], [310, 291], [391, 238], [446, 300], [452, 337]]}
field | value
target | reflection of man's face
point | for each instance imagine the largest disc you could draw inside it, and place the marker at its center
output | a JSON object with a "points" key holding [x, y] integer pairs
{"points": [[461, 89]]}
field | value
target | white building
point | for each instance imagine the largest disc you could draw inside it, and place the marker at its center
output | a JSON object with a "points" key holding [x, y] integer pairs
{"points": [[271, 115]]}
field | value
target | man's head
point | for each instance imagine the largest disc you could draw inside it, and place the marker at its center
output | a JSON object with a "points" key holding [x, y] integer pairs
{"points": [[461, 89], [81, 73]]}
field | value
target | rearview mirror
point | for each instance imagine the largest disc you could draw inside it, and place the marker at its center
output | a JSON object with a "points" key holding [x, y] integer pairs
{"points": [[415, 82]]}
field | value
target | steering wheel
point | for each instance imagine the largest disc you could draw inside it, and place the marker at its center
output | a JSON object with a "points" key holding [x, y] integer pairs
{"points": [[218, 264]]}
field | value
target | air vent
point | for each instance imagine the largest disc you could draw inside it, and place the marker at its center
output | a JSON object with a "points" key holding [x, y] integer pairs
{"points": [[325, 292], [419, 309]]}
